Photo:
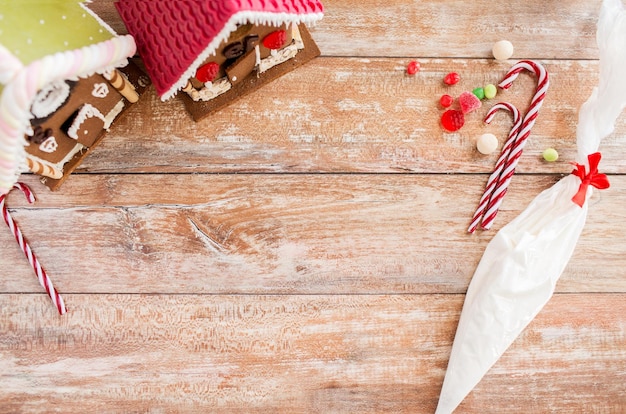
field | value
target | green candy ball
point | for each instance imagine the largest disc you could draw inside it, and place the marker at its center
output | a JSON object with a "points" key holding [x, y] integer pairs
{"points": [[479, 92], [550, 155]]}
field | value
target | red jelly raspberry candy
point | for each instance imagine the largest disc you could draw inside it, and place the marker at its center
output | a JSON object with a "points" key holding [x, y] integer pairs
{"points": [[275, 40], [451, 78], [413, 67], [446, 100], [208, 72], [452, 120], [469, 102]]}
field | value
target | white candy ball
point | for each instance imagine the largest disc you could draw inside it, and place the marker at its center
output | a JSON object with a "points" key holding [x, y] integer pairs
{"points": [[502, 50], [487, 143]]}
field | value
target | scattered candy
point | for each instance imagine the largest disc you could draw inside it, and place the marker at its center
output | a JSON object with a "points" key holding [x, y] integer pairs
{"points": [[502, 50], [451, 78], [446, 101], [452, 120], [490, 91], [487, 143], [469, 102], [413, 67], [479, 93], [550, 155]]}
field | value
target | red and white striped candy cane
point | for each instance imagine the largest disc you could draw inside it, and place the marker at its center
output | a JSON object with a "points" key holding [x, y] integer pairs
{"points": [[44, 280], [527, 124], [504, 155]]}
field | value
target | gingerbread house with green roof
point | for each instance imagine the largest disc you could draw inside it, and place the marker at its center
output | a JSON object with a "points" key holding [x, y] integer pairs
{"points": [[217, 51], [64, 78]]}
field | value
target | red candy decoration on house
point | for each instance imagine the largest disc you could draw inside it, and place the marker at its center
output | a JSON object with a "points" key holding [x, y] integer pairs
{"points": [[275, 40], [208, 72]]}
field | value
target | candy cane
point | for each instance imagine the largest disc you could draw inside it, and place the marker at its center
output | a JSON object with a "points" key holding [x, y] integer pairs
{"points": [[504, 155], [527, 124], [44, 280]]}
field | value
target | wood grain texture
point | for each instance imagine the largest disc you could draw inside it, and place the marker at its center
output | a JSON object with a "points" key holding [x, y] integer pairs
{"points": [[286, 234], [304, 249], [297, 354]]}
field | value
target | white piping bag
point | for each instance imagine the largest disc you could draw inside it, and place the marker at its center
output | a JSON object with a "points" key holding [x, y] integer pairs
{"points": [[521, 265]]}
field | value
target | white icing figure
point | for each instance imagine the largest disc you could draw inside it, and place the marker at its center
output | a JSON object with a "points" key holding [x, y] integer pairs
{"points": [[49, 145], [100, 90]]}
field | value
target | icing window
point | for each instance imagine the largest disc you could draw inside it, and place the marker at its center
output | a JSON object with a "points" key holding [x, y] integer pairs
{"points": [[49, 99]]}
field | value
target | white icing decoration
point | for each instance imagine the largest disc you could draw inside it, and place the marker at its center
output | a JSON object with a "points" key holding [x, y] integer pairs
{"points": [[89, 111], [210, 90], [257, 54], [277, 57], [50, 98], [100, 90], [113, 113], [86, 111], [49, 145]]}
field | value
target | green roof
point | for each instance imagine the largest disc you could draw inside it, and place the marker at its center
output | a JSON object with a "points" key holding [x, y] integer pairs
{"points": [[32, 29]]}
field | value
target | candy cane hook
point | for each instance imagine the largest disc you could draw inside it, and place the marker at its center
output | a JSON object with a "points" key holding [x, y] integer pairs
{"points": [[44, 280], [529, 121], [504, 155]]}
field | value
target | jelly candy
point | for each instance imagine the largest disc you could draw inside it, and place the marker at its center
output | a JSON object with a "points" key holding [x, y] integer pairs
{"points": [[452, 120], [413, 67], [452, 78], [446, 100], [469, 102]]}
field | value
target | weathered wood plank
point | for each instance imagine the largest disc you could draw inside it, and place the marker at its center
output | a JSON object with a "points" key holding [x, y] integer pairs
{"points": [[355, 115], [445, 29], [293, 354], [399, 233]]}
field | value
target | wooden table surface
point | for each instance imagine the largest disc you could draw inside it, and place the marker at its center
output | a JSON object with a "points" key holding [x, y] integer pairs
{"points": [[305, 249]]}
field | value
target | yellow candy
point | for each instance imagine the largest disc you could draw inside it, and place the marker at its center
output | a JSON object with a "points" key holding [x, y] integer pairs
{"points": [[550, 155], [490, 91]]}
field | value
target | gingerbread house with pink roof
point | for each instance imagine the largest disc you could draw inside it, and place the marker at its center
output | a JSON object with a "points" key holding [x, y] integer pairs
{"points": [[216, 51]]}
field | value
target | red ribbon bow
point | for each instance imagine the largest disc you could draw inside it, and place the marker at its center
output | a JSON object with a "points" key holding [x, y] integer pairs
{"points": [[594, 178]]}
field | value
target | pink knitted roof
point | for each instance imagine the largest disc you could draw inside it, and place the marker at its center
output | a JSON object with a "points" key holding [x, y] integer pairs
{"points": [[174, 37]]}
